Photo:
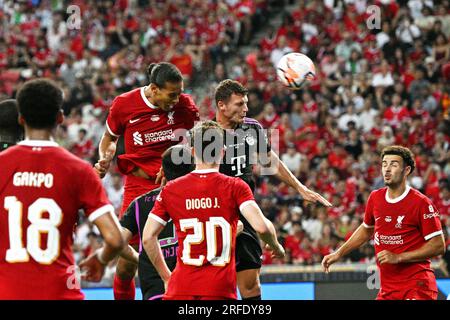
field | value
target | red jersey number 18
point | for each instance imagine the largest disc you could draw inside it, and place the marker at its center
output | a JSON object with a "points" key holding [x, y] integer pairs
{"points": [[17, 252]]}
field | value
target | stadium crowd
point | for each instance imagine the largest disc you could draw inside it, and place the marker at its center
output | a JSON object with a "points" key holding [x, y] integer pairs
{"points": [[374, 87]]}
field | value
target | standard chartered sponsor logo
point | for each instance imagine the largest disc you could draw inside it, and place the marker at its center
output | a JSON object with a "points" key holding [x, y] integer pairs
{"points": [[159, 136], [137, 138], [388, 240]]}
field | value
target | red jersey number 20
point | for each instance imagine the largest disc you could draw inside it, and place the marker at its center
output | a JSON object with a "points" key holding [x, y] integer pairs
{"points": [[197, 237]]}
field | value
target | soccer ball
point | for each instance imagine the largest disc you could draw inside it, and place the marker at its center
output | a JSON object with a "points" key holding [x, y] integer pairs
{"points": [[295, 69]]}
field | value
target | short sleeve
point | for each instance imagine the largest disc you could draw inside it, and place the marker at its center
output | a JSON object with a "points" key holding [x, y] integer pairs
{"points": [[369, 220], [128, 221], [159, 211], [92, 195], [242, 193], [263, 139], [115, 121], [191, 110], [429, 220]]}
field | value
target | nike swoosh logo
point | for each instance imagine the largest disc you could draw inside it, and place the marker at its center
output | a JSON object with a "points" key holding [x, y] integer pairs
{"points": [[133, 121], [377, 218]]}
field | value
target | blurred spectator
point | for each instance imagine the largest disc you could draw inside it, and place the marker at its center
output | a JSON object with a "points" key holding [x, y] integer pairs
{"points": [[83, 147], [387, 138], [292, 159], [114, 190], [345, 48], [383, 78], [347, 117], [354, 144], [280, 50]]}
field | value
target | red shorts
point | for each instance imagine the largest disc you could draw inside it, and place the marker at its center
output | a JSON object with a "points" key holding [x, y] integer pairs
{"points": [[181, 297], [408, 294], [135, 187]]}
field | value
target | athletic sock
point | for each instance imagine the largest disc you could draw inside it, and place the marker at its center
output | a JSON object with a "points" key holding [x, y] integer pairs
{"points": [[124, 289]]}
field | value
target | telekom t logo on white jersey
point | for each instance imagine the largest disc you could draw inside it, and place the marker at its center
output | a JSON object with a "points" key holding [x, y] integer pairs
{"points": [[137, 138]]}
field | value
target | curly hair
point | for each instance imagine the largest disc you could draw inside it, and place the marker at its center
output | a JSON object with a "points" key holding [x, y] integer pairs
{"points": [[403, 152]]}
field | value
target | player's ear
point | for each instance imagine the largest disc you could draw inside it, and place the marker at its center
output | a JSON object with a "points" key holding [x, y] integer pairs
{"points": [[153, 88], [221, 105], [60, 117], [407, 170], [21, 120]]}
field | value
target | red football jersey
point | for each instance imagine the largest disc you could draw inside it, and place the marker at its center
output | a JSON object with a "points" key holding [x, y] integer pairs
{"points": [[403, 224], [41, 190], [148, 131], [204, 206]]}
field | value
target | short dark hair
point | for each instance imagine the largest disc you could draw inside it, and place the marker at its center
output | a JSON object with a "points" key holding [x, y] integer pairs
{"points": [[10, 129], [172, 169], [207, 136], [227, 88], [39, 102], [160, 73], [403, 152]]}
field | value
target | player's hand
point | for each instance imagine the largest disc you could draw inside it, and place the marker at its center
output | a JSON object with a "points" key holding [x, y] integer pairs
{"points": [[386, 256], [92, 269], [329, 260], [314, 197], [160, 177], [277, 252], [102, 165], [240, 228], [166, 279]]}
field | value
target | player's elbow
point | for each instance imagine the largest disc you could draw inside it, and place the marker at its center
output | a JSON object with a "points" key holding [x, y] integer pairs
{"points": [[441, 248], [438, 246]]}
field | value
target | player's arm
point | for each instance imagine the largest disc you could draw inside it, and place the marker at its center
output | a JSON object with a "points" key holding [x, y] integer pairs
{"points": [[94, 265], [129, 229], [150, 235], [432, 248], [285, 175], [106, 150], [358, 238], [112, 236], [251, 211], [128, 253]]}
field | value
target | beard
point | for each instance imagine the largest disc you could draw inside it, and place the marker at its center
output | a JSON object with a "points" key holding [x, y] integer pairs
{"points": [[393, 183]]}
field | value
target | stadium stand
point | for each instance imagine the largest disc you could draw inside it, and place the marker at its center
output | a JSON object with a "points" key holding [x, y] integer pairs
{"points": [[374, 87]]}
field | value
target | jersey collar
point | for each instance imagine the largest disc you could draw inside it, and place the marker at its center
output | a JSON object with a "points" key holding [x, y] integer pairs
{"points": [[205, 171], [398, 199], [148, 103], [38, 143]]}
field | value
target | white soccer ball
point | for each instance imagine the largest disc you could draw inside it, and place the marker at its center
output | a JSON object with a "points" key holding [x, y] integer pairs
{"points": [[295, 69]]}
